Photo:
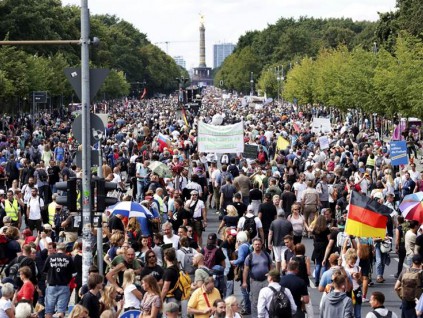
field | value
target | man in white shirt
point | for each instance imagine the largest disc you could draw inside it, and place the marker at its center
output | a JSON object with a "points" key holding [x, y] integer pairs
{"points": [[33, 212], [266, 295], [299, 187], [168, 236], [259, 226]]}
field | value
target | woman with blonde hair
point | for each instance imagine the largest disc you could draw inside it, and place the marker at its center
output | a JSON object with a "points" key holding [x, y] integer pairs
{"points": [[108, 301], [229, 220], [79, 311], [298, 223], [116, 242], [232, 307], [151, 302], [131, 295], [133, 230]]}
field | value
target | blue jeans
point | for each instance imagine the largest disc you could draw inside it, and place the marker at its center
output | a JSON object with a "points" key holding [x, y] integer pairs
{"points": [[140, 189], [357, 311], [319, 269], [246, 299], [408, 309], [57, 299], [380, 260]]}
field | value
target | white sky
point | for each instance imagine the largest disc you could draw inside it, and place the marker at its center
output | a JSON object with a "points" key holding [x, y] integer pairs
{"points": [[177, 21]]}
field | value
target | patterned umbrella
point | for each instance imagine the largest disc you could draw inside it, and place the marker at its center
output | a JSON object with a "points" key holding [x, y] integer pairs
{"points": [[131, 209], [412, 207], [161, 169]]}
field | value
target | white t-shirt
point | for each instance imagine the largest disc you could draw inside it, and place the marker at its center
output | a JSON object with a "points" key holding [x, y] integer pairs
{"points": [[4, 305], [44, 243], [198, 208], [130, 299], [299, 187], [174, 240], [241, 222], [35, 205]]}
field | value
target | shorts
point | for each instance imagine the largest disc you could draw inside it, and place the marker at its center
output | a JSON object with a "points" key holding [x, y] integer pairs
{"points": [[197, 227], [34, 224], [57, 299], [277, 252], [365, 267]]}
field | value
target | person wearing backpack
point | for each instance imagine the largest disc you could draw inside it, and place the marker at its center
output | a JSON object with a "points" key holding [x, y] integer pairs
{"points": [[251, 224], [409, 287], [377, 299], [185, 255], [213, 255], [256, 266], [275, 301]]}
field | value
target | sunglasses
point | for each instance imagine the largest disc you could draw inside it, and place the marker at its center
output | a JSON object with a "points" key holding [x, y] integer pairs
{"points": [[151, 256]]}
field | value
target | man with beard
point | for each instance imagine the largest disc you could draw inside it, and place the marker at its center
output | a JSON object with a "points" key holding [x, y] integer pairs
{"points": [[152, 268]]}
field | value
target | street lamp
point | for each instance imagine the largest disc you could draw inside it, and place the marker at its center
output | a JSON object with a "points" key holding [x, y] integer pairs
{"points": [[252, 84], [374, 47]]}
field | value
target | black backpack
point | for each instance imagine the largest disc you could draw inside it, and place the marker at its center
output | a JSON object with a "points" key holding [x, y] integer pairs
{"points": [[280, 306], [233, 169], [132, 169], [250, 226], [14, 269], [388, 315]]}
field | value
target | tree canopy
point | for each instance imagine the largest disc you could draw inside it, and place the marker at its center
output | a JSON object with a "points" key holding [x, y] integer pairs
{"points": [[123, 49]]}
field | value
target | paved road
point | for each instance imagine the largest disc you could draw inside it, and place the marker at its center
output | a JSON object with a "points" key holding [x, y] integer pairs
{"points": [[392, 301]]}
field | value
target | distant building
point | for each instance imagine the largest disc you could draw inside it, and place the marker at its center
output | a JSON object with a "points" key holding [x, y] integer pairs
{"points": [[220, 52], [179, 60]]}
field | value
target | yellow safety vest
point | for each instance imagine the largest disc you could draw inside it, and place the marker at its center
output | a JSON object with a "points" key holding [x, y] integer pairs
{"points": [[370, 162], [163, 208], [51, 212], [11, 209]]}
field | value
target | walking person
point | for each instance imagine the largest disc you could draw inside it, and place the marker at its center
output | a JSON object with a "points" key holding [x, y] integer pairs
{"points": [[279, 228], [256, 266]]}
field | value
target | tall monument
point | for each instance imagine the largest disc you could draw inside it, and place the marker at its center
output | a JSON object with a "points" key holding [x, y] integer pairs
{"points": [[202, 43], [202, 73]]}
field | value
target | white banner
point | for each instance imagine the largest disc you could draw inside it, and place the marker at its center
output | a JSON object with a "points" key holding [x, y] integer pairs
{"points": [[321, 125], [221, 139], [323, 142]]}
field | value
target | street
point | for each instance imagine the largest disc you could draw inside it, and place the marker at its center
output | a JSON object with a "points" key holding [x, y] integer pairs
{"points": [[392, 301]]}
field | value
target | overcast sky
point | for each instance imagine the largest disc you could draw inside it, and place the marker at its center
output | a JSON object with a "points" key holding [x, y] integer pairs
{"points": [[177, 21]]}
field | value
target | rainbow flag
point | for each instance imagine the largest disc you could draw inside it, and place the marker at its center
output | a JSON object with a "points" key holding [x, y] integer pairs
{"points": [[184, 117]]}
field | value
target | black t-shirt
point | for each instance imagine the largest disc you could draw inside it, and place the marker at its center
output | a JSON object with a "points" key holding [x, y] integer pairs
{"points": [[54, 174], [91, 302], [240, 207], [230, 248], [171, 274], [59, 268], [269, 213], [288, 199], [296, 286], [231, 221], [179, 218], [256, 194], [156, 271], [219, 256]]}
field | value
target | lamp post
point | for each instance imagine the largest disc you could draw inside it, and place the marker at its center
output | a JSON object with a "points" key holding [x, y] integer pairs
{"points": [[252, 84]]}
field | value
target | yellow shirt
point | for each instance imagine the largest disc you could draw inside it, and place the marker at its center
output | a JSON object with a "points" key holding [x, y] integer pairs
{"points": [[197, 301]]}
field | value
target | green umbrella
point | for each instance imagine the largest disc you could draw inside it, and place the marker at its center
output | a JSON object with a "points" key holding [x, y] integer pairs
{"points": [[161, 169]]}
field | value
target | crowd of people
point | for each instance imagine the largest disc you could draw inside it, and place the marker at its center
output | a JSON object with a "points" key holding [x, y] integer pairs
{"points": [[266, 206]]}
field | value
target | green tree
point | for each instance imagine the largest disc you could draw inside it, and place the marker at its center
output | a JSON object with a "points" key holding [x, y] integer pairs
{"points": [[114, 86]]}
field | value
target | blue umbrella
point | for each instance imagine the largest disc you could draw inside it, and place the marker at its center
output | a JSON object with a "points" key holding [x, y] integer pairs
{"points": [[131, 209]]}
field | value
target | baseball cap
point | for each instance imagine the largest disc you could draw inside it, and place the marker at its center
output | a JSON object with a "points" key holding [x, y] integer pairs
{"points": [[194, 192], [47, 227], [211, 239], [250, 208]]}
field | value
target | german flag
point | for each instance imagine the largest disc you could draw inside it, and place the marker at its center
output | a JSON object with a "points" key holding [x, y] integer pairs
{"points": [[366, 217]]}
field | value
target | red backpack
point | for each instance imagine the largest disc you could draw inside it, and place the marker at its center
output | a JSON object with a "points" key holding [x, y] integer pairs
{"points": [[210, 257], [261, 157]]}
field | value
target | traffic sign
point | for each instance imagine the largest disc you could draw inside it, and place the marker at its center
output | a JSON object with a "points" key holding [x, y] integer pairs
{"points": [[97, 77], [94, 158], [39, 97], [97, 129]]}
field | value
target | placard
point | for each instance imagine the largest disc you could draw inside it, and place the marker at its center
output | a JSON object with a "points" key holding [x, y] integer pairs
{"points": [[399, 153]]}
